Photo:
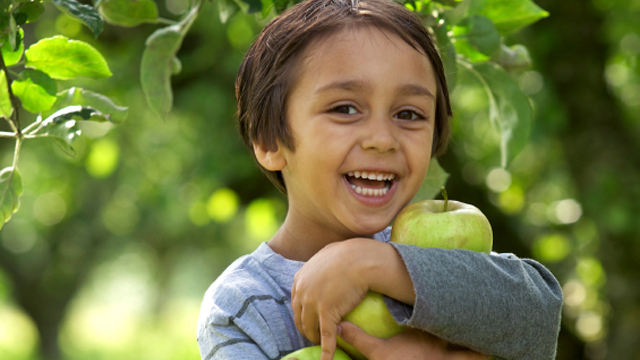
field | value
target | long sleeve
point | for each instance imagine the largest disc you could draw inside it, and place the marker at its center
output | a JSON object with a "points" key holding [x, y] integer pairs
{"points": [[246, 313], [499, 305]]}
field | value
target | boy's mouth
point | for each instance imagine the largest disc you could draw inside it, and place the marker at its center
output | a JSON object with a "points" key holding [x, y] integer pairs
{"points": [[370, 183]]}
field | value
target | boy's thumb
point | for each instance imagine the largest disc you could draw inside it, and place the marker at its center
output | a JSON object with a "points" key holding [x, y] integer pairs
{"points": [[359, 339]]}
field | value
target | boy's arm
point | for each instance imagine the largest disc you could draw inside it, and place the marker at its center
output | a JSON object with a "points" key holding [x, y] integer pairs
{"points": [[494, 304], [228, 342], [243, 317]]}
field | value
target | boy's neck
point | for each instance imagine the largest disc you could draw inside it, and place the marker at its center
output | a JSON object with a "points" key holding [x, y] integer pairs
{"points": [[296, 240]]}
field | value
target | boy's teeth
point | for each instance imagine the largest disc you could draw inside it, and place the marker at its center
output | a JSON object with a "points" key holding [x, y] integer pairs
{"points": [[370, 192], [371, 176], [374, 176]]}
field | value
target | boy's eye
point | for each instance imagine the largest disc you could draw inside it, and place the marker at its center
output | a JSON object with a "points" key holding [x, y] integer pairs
{"points": [[345, 109], [409, 115]]}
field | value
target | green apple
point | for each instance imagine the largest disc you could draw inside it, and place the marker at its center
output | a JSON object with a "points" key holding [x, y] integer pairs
{"points": [[430, 223], [443, 224], [372, 316], [314, 353]]}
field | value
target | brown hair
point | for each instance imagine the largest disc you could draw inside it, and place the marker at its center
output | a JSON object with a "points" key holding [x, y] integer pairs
{"points": [[267, 72]]}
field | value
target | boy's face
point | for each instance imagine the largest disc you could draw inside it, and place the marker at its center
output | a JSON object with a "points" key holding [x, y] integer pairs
{"points": [[363, 103]]}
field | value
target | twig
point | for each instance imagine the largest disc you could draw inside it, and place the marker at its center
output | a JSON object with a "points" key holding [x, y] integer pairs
{"points": [[15, 121]]}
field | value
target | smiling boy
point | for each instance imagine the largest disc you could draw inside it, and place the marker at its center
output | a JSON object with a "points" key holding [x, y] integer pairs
{"points": [[343, 104]]}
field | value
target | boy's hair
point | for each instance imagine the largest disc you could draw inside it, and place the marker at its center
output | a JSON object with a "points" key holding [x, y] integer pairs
{"points": [[267, 73]]}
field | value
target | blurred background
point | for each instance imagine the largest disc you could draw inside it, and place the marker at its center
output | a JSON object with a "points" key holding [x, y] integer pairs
{"points": [[111, 251]]}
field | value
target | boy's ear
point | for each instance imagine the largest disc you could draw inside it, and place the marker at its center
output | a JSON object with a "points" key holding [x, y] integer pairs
{"points": [[272, 160]]}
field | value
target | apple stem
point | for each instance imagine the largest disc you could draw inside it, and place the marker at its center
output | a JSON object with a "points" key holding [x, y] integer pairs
{"points": [[446, 198]]}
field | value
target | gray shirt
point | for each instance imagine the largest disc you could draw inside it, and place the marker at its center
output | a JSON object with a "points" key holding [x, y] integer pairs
{"points": [[496, 304]]}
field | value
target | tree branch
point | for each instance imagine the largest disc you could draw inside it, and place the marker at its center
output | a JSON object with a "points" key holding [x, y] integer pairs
{"points": [[15, 117]]}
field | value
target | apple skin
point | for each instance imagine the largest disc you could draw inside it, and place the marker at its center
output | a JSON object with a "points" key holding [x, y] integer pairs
{"points": [[424, 224], [314, 353], [372, 316]]}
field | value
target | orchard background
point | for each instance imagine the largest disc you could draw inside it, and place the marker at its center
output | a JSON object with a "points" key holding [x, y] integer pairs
{"points": [[123, 224]]}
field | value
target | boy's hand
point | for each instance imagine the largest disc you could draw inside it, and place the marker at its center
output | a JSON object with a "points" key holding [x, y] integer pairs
{"points": [[325, 289], [336, 279], [411, 344]]}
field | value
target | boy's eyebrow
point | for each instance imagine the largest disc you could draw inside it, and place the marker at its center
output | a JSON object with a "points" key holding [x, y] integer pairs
{"points": [[349, 85], [362, 86], [413, 89]]}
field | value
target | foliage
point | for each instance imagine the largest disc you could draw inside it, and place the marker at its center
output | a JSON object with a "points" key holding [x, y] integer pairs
{"points": [[35, 86]]}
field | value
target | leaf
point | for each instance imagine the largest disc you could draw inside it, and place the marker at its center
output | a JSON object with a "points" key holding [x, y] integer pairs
{"points": [[11, 190], [267, 7], [463, 47], [254, 6], [11, 57], [13, 33], [508, 15], [65, 59], [156, 68], [457, 14], [448, 55], [108, 110], [6, 108], [509, 108], [226, 8], [33, 10], [128, 13], [434, 180], [483, 35], [35, 89], [158, 63], [84, 13], [63, 125], [513, 59]]}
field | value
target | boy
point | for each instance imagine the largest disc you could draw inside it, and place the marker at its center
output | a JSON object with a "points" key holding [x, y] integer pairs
{"points": [[343, 103]]}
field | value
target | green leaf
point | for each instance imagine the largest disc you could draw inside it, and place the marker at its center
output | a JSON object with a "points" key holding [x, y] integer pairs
{"points": [[108, 110], [65, 59], [13, 33], [483, 35], [457, 14], [462, 45], [63, 125], [448, 55], [510, 111], [226, 8], [32, 9], [35, 89], [11, 57], [434, 180], [513, 59], [508, 15], [158, 63], [6, 108], [254, 6], [156, 68], [128, 13], [11, 190], [267, 7], [84, 13]]}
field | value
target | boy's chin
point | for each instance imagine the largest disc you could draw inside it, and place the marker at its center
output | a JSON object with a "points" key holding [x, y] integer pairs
{"points": [[368, 230]]}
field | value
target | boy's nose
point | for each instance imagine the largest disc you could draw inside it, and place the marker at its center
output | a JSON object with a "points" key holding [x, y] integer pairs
{"points": [[380, 135]]}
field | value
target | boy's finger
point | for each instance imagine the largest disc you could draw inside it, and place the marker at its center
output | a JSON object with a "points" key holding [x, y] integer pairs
{"points": [[328, 332], [310, 325], [359, 339], [297, 314]]}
